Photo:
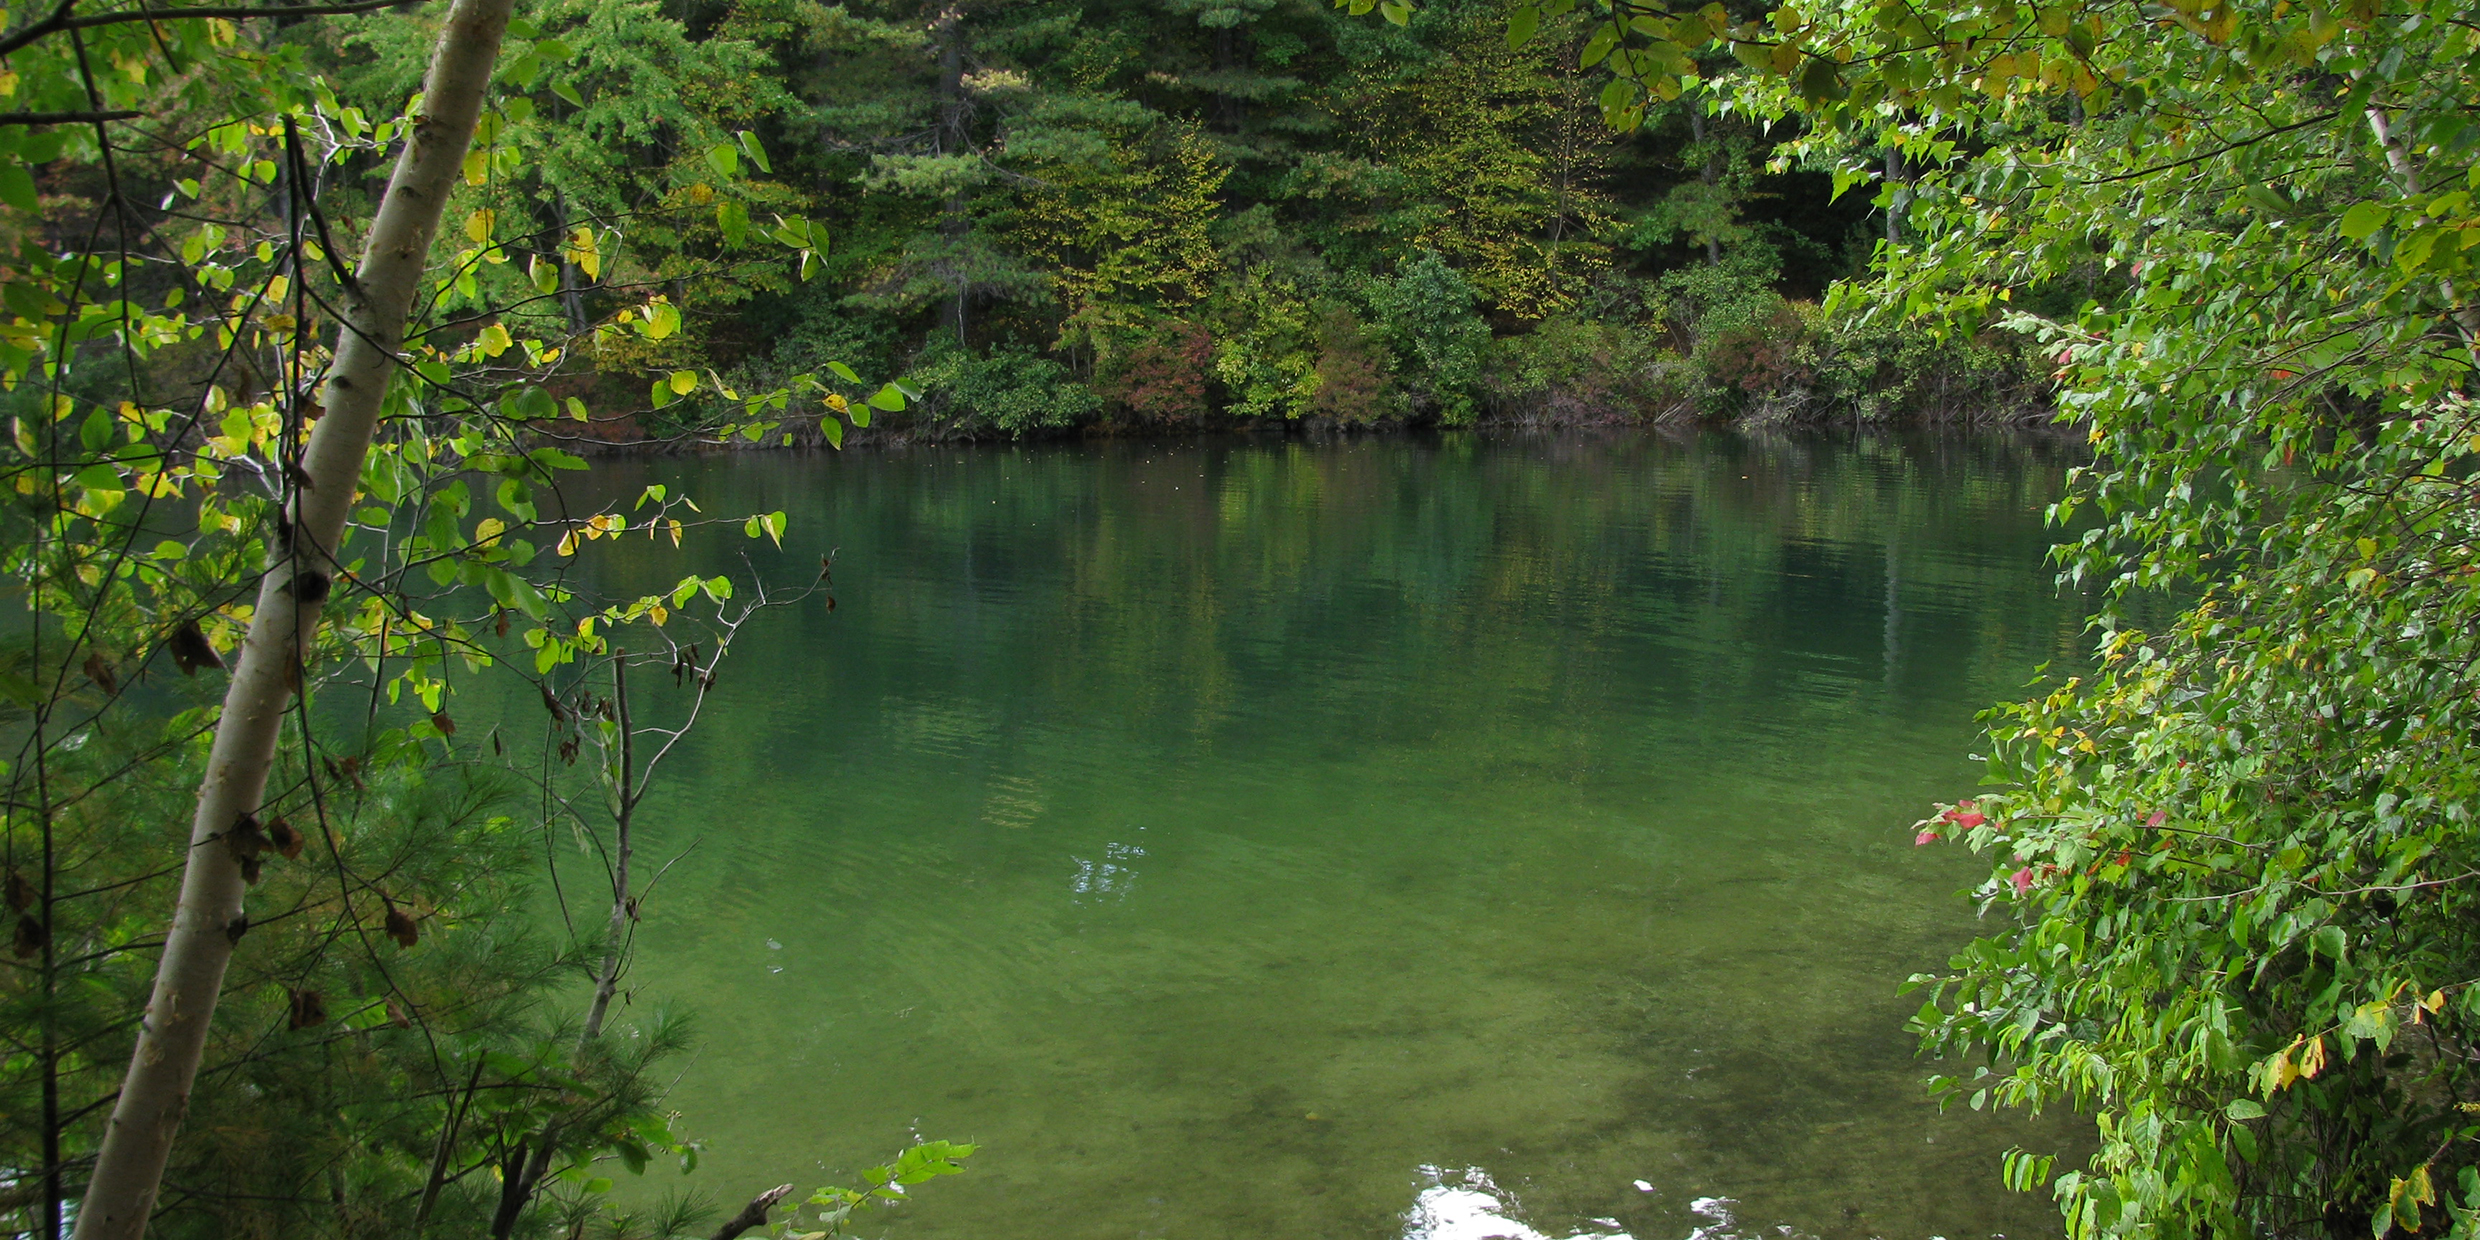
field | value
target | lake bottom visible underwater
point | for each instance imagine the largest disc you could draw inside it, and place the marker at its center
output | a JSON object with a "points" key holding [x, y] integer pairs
{"points": [[1434, 839]]}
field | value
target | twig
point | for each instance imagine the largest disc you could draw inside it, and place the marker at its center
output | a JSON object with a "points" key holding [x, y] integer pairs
{"points": [[753, 1214], [60, 19], [66, 118]]}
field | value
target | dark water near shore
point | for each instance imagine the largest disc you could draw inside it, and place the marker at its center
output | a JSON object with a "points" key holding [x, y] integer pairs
{"points": [[1372, 839]]}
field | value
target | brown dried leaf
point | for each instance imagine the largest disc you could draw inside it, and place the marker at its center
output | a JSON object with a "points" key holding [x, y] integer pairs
{"points": [[309, 1009], [402, 928], [99, 670], [191, 650]]}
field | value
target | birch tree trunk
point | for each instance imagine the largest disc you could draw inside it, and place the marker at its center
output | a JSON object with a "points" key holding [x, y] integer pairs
{"points": [[129, 1169]]}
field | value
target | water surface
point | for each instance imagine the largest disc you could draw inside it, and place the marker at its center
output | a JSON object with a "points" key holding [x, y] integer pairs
{"points": [[1380, 838]]}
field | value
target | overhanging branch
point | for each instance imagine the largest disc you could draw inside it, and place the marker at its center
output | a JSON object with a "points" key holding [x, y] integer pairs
{"points": [[61, 20]]}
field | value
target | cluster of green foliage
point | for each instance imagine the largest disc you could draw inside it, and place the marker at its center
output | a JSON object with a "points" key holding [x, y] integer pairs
{"points": [[2235, 865]]}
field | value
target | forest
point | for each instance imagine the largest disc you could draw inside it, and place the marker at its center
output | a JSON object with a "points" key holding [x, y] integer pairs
{"points": [[1049, 218], [319, 317]]}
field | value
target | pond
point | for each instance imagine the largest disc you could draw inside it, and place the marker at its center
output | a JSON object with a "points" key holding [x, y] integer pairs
{"points": [[1437, 839]]}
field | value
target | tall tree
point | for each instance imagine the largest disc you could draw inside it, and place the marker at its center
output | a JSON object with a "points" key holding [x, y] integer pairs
{"points": [[301, 571]]}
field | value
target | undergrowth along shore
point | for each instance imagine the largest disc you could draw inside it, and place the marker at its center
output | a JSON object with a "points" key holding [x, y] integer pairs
{"points": [[1747, 356]]}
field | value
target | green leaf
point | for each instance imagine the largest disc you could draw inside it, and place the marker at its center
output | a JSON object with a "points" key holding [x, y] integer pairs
{"points": [[17, 189], [2244, 1109], [662, 319], [522, 71], [2363, 220], [756, 153], [1820, 81], [889, 398], [1597, 47], [568, 92], [724, 160], [1521, 26], [529, 403], [517, 498], [833, 430]]}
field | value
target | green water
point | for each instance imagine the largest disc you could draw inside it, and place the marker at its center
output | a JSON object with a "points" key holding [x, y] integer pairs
{"points": [[1370, 839]]}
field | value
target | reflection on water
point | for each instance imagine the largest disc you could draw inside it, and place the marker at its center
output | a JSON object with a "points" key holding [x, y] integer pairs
{"points": [[1220, 833], [1466, 1205]]}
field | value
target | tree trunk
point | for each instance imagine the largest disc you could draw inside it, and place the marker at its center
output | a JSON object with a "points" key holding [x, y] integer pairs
{"points": [[2407, 179], [173, 1038], [955, 223], [1710, 174], [1898, 194], [518, 1190]]}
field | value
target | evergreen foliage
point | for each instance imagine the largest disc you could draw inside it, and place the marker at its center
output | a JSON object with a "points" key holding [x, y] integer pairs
{"points": [[1080, 181]]}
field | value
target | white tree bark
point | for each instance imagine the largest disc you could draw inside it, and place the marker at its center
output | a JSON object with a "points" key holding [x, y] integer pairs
{"points": [[129, 1169]]}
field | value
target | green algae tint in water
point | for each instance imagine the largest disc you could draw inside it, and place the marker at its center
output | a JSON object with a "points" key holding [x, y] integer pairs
{"points": [[1367, 839]]}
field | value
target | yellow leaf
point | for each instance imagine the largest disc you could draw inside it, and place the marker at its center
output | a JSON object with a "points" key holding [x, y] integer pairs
{"points": [[675, 529], [8, 82], [2312, 1059], [657, 614], [568, 543], [487, 532], [684, 381], [477, 167], [581, 251], [478, 225]]}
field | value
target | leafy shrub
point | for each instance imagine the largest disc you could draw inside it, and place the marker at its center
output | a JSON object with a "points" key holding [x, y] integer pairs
{"points": [[1266, 353], [1163, 376], [1355, 386], [1427, 312], [1570, 370], [1875, 373], [2236, 873], [1755, 347], [1011, 390]]}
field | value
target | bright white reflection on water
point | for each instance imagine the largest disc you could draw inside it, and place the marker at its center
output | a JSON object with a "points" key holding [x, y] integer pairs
{"points": [[1466, 1205]]}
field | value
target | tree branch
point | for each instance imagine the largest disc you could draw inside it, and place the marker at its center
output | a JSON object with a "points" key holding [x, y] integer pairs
{"points": [[753, 1214], [60, 19], [64, 118]]}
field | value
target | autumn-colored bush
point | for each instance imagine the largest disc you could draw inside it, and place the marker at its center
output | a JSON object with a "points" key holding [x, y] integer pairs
{"points": [[1162, 378], [1355, 385]]}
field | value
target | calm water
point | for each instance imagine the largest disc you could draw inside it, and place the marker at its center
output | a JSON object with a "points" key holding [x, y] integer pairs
{"points": [[1372, 839]]}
